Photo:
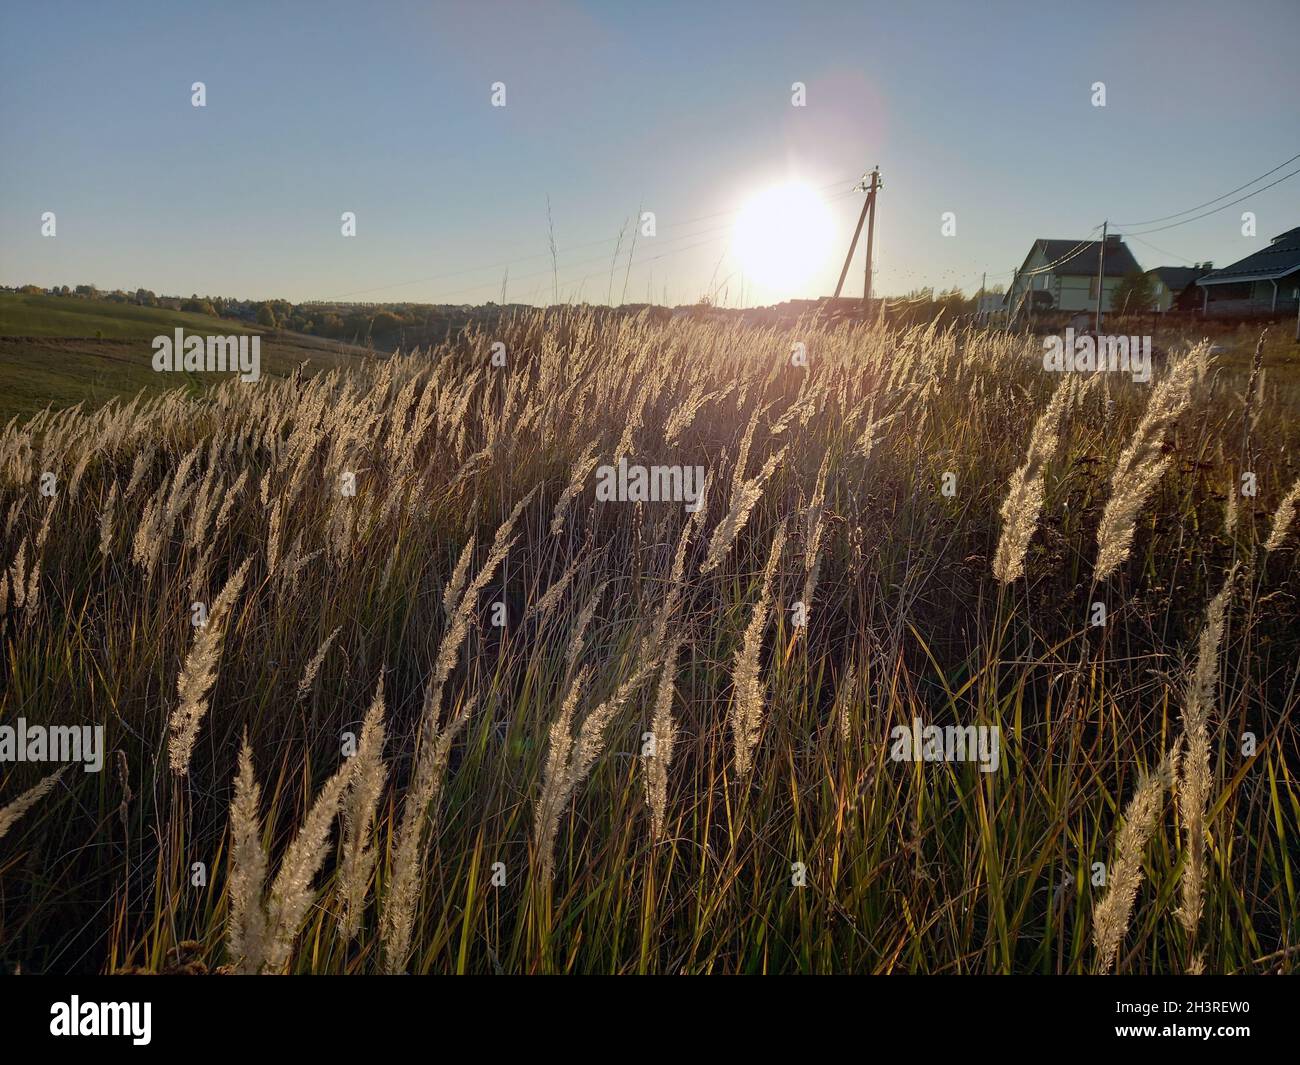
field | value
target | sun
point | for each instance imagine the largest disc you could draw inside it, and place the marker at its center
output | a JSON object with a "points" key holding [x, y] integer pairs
{"points": [[783, 236]]}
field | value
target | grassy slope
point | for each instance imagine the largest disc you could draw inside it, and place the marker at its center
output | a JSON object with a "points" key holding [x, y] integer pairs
{"points": [[58, 351]]}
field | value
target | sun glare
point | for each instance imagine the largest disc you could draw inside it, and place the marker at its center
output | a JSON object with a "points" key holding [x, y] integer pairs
{"points": [[783, 236]]}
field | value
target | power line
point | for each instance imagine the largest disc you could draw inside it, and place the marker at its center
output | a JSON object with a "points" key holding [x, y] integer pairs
{"points": [[1230, 203], [1152, 221], [1162, 251]]}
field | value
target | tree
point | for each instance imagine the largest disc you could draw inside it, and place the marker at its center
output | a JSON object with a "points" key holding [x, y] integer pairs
{"points": [[266, 316], [1133, 295]]}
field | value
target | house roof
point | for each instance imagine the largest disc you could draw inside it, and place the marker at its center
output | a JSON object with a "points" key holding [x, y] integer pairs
{"points": [[1177, 278], [1119, 260], [1280, 258]]}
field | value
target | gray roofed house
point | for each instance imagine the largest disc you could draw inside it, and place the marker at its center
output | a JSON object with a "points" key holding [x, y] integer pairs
{"points": [[1174, 286], [1067, 270], [1266, 282]]}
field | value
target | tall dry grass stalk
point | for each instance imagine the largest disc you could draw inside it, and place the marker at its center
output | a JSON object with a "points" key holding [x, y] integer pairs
{"points": [[1195, 778], [317, 660], [432, 752], [1110, 919], [11, 812], [748, 695], [577, 478], [745, 493], [664, 732], [1024, 500], [1142, 464], [359, 806], [569, 755], [557, 784], [246, 924], [198, 674], [814, 532]]}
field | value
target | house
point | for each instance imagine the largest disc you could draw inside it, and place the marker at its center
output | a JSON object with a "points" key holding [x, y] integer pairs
{"points": [[1265, 283], [1175, 288], [1065, 272]]}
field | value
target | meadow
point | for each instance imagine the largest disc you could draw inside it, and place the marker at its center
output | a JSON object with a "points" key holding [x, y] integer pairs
{"points": [[444, 711]]}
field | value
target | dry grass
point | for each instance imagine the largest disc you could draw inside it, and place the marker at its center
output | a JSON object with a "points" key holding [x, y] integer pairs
{"points": [[597, 738]]}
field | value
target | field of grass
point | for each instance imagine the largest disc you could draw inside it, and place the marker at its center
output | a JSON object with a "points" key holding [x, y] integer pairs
{"points": [[59, 351], [452, 712]]}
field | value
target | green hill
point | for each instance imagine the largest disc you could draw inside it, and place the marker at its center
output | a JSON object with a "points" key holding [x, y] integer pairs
{"points": [[69, 316], [60, 350]]}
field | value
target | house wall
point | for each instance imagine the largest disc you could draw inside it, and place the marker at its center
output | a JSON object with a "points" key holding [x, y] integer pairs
{"points": [[1074, 292], [1164, 297]]}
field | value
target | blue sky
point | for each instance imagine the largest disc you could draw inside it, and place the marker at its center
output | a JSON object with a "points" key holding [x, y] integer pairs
{"points": [[384, 109]]}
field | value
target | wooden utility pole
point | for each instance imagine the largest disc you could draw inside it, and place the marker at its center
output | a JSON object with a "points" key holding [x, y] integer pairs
{"points": [[1101, 279], [871, 230], [869, 216]]}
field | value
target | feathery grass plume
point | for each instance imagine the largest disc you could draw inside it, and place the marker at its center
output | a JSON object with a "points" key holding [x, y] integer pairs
{"points": [[452, 592], [29, 798], [273, 538], [313, 667], [664, 731], [261, 935], [843, 696], [106, 522], [246, 925], [1110, 919], [1024, 500], [139, 467], [359, 805], [748, 695], [744, 496], [585, 615], [814, 529], [570, 757], [1141, 464], [546, 821], [432, 751], [291, 891], [577, 478], [198, 675], [18, 576], [1283, 519], [555, 591], [1195, 777]]}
